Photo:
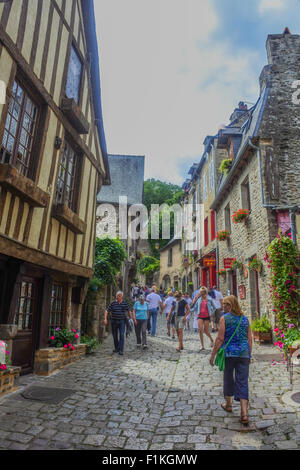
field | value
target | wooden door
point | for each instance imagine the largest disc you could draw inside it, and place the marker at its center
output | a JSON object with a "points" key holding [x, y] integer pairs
{"points": [[25, 316], [234, 284]]}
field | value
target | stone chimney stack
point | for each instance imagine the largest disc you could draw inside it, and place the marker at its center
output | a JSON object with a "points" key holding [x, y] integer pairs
{"points": [[283, 48]]}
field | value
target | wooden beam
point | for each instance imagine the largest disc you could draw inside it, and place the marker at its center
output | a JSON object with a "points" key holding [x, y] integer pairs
{"points": [[20, 251]]}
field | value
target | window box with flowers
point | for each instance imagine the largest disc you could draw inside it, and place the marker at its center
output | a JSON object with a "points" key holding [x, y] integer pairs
{"points": [[240, 216], [8, 374], [62, 351], [223, 235], [255, 265]]}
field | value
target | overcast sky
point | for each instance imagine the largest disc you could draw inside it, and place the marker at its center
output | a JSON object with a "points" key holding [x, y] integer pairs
{"points": [[172, 71]]}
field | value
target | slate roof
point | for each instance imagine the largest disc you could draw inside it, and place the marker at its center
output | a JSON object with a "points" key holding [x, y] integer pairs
{"points": [[127, 179]]}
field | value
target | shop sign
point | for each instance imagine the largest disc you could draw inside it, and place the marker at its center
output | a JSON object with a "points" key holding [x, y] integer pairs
{"points": [[228, 262], [242, 292], [209, 262]]}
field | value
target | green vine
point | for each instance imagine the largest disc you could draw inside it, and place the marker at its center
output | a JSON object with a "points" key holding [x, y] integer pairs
{"points": [[225, 166], [109, 256], [148, 265], [282, 260]]}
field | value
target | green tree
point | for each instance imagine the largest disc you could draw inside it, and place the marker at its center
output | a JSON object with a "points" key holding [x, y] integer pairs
{"points": [[109, 256], [159, 192]]}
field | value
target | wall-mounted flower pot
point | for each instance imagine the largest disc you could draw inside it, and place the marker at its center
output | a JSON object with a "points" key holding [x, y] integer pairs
{"points": [[262, 337]]}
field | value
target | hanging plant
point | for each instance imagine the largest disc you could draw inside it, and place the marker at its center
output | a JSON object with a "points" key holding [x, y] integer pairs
{"points": [[240, 216], [223, 235], [225, 166], [222, 272], [237, 265], [282, 260], [255, 265]]}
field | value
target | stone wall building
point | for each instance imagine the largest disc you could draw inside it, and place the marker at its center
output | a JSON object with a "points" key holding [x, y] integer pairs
{"points": [[53, 162], [171, 268], [113, 219], [264, 177]]}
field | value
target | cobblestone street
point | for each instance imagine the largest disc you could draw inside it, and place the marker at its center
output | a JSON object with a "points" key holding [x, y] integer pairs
{"points": [[156, 399]]}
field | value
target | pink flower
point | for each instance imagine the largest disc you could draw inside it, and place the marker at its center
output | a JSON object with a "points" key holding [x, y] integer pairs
{"points": [[282, 336], [3, 367], [57, 329], [291, 325], [275, 329], [74, 331], [7, 352], [69, 344], [65, 346], [73, 349], [52, 338], [76, 336]]}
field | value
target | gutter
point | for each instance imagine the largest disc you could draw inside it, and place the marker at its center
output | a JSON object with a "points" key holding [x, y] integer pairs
{"points": [[92, 46]]}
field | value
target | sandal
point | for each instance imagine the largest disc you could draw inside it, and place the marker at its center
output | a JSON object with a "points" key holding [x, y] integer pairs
{"points": [[202, 349], [178, 349], [244, 419], [226, 408]]}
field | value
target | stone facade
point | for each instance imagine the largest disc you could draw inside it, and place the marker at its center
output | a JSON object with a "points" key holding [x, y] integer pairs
{"points": [[171, 268], [49, 360], [268, 161], [9, 380]]}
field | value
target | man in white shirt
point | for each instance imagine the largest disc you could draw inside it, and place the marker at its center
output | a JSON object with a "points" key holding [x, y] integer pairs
{"points": [[167, 307], [217, 303], [154, 301]]}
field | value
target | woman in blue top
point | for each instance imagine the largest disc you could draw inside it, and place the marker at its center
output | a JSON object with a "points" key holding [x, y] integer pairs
{"points": [[140, 317], [237, 355]]}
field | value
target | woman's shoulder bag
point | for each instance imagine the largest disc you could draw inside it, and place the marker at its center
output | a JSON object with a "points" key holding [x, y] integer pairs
{"points": [[220, 356]]}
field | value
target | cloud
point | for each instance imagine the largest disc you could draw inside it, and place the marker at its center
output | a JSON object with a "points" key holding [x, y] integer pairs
{"points": [[166, 82], [266, 6]]}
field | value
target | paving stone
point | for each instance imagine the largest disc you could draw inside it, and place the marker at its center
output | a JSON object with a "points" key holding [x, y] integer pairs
{"points": [[287, 445], [137, 444], [94, 440]]}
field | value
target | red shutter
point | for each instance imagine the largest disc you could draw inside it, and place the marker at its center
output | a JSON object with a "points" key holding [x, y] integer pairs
{"points": [[206, 232], [213, 225]]}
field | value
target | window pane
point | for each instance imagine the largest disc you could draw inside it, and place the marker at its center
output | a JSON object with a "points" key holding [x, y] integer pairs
{"points": [[74, 76]]}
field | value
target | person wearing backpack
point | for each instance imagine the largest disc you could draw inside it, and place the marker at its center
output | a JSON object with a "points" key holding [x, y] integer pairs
{"points": [[235, 339]]}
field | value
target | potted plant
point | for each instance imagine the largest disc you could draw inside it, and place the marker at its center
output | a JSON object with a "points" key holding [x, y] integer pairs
{"points": [[225, 166], [92, 343], [223, 235], [255, 265], [240, 216], [262, 330]]}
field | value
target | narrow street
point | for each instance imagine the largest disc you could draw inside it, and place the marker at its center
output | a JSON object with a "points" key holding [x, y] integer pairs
{"points": [[156, 399]]}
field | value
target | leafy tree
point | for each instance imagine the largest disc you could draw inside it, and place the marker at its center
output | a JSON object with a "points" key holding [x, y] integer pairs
{"points": [[109, 256], [159, 192]]}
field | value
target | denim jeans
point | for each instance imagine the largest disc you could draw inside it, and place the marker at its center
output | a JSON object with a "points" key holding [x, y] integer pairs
{"points": [[118, 332], [152, 320], [236, 386]]}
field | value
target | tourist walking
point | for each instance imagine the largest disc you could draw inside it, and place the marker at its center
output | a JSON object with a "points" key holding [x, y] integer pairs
{"points": [[118, 309], [180, 310], [189, 301], [217, 297], [167, 305], [140, 317], [236, 338], [204, 307], [155, 303]]}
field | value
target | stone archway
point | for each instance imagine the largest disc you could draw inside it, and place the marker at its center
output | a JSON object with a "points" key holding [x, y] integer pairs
{"points": [[166, 282]]}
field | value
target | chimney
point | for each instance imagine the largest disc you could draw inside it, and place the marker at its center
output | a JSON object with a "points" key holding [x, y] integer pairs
{"points": [[239, 112], [283, 48]]}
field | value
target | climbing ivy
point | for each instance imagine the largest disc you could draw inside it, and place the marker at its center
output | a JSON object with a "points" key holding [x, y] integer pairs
{"points": [[282, 260], [109, 256]]}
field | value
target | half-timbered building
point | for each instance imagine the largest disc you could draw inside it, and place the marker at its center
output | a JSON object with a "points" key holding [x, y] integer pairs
{"points": [[53, 162]]}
